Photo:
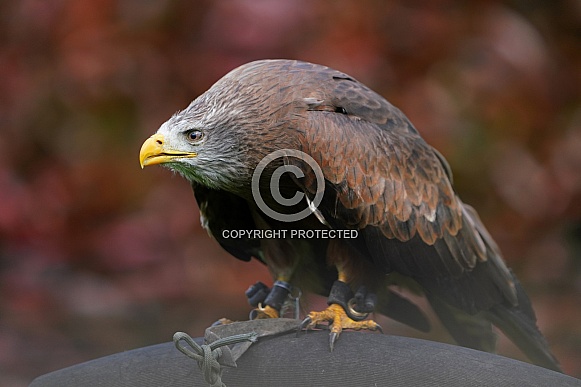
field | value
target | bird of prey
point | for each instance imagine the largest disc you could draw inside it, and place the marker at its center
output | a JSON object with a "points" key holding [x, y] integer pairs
{"points": [[381, 209]]}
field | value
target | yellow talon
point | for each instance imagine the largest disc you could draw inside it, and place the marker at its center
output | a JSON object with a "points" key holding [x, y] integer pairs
{"points": [[337, 319], [264, 312]]}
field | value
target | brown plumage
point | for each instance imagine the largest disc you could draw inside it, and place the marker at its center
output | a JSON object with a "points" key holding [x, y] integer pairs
{"points": [[381, 179]]}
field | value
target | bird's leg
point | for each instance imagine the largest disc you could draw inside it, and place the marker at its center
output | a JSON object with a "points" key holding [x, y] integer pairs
{"points": [[345, 311], [268, 304]]}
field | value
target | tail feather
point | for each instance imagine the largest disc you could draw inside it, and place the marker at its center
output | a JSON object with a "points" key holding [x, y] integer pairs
{"points": [[468, 330], [519, 323]]}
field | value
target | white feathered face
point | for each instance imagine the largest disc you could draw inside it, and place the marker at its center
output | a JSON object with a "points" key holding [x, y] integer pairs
{"points": [[210, 141]]}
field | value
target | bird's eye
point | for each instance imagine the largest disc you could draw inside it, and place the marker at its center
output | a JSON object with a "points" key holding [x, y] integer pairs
{"points": [[194, 135]]}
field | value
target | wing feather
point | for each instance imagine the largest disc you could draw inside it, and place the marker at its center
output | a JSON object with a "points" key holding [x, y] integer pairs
{"points": [[384, 179], [397, 174]]}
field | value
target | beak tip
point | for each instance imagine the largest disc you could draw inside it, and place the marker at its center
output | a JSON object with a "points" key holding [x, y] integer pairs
{"points": [[151, 147]]}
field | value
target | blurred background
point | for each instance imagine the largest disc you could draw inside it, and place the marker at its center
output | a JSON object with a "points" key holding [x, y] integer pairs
{"points": [[98, 256]]}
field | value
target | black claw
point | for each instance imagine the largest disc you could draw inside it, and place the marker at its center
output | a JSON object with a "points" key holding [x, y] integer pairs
{"points": [[304, 323], [379, 329], [333, 336], [252, 315]]}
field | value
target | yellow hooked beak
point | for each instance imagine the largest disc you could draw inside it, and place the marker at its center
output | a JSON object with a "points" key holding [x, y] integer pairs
{"points": [[153, 151]]}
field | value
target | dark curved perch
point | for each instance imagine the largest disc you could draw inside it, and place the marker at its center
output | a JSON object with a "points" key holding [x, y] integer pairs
{"points": [[359, 359]]}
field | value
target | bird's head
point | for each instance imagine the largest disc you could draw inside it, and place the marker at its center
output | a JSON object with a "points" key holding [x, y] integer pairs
{"points": [[220, 137], [198, 145]]}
